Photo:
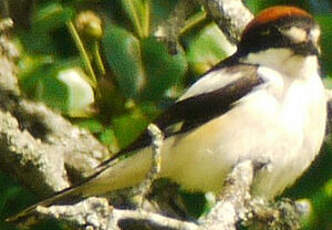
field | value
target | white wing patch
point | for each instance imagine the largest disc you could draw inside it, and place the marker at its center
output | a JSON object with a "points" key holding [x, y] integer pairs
{"points": [[212, 81]]}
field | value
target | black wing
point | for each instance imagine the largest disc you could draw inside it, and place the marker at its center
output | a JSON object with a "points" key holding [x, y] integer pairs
{"points": [[198, 109]]}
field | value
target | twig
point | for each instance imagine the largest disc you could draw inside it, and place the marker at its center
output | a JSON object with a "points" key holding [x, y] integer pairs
{"points": [[95, 213], [157, 142], [283, 214], [234, 198], [231, 16], [41, 147]]}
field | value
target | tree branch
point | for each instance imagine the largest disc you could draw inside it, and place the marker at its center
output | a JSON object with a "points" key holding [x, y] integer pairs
{"points": [[232, 206], [95, 213], [41, 147], [231, 16]]}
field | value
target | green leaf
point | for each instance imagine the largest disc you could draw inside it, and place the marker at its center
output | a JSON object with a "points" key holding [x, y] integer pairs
{"points": [[108, 138], [50, 17], [51, 91], [47, 19], [206, 48], [138, 12], [195, 203], [161, 10], [123, 54], [42, 44], [93, 125], [80, 93], [162, 69], [325, 22], [328, 82], [30, 63], [128, 127], [321, 215], [42, 85], [328, 189], [60, 86]]}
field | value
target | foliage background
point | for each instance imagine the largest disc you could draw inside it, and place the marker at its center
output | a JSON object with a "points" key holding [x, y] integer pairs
{"points": [[130, 75]]}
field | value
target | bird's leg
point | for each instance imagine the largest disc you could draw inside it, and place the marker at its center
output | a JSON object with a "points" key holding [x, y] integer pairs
{"points": [[157, 142]]}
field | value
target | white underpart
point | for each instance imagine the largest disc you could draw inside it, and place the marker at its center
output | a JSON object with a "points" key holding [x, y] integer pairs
{"points": [[282, 121]]}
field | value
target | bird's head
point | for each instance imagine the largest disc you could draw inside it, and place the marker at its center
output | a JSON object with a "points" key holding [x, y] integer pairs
{"points": [[284, 27]]}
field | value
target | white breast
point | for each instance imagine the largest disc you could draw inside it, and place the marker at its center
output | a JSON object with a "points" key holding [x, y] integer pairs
{"points": [[303, 113]]}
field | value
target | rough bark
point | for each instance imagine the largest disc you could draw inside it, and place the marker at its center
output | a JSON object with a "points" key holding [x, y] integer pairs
{"points": [[230, 15], [38, 146]]}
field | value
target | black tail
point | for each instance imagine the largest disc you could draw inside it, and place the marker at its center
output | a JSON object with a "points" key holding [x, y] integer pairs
{"points": [[66, 196]]}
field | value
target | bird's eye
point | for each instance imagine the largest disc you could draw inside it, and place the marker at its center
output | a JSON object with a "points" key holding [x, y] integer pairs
{"points": [[295, 34]]}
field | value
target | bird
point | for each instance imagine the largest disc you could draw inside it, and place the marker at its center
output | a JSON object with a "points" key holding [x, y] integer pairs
{"points": [[266, 101]]}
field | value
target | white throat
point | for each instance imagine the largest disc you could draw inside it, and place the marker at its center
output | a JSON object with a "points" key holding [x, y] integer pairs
{"points": [[285, 61]]}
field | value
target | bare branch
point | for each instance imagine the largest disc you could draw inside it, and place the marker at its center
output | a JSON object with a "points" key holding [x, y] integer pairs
{"points": [[231, 16], [95, 213], [39, 145], [232, 206], [284, 214], [157, 141]]}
